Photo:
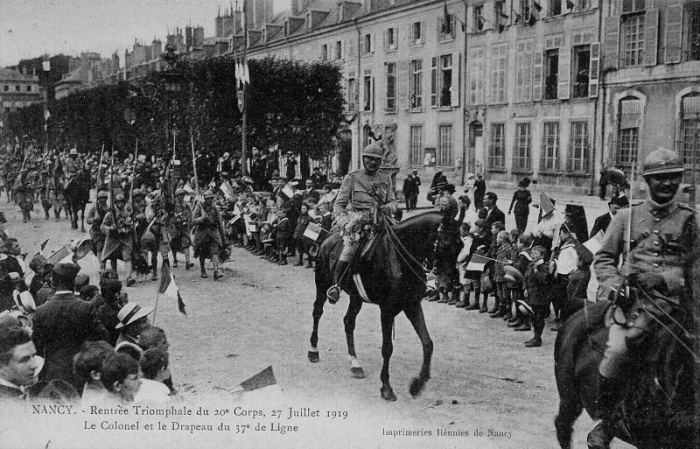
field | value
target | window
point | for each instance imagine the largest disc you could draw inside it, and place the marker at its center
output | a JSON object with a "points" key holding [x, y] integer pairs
{"points": [[499, 58], [444, 156], [554, 8], [551, 74], [476, 75], [415, 84], [446, 28], [417, 33], [446, 80], [582, 70], [367, 44], [29, 88], [550, 147], [523, 76], [521, 152], [391, 86], [352, 94], [367, 89], [390, 39], [693, 13], [690, 132], [18, 88], [629, 123], [416, 142], [525, 9], [6, 88], [578, 147], [478, 18], [324, 52], [632, 31], [498, 10], [433, 82], [338, 50], [633, 5], [497, 146]]}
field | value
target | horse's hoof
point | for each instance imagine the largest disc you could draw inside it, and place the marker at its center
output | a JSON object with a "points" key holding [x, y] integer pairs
{"points": [[416, 387], [313, 356], [358, 372], [388, 394]]}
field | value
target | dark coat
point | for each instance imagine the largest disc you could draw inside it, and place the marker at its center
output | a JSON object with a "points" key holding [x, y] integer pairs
{"points": [[601, 224], [495, 215], [313, 194], [61, 326], [302, 223], [538, 282]]}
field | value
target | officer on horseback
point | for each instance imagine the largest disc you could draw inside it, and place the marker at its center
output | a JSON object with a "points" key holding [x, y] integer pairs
{"points": [[660, 239], [73, 165], [363, 196]]}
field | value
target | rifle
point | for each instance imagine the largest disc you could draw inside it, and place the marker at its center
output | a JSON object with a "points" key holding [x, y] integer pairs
{"points": [[99, 167]]}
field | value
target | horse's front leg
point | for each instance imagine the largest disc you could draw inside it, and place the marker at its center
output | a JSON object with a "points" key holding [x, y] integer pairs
{"points": [[82, 219], [354, 308], [387, 318], [414, 313], [317, 313]]}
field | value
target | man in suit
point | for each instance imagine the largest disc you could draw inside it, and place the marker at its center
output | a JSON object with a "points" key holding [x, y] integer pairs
{"points": [[493, 213], [601, 223], [63, 324], [310, 192], [18, 362]]}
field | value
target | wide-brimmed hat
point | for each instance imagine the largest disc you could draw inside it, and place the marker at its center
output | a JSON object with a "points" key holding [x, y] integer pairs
{"points": [[130, 313], [525, 182], [524, 307], [512, 274]]}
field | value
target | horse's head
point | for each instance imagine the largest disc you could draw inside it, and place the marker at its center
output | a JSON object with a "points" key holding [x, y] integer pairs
{"points": [[419, 232]]}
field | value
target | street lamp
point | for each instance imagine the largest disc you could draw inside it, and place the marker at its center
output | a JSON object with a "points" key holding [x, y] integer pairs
{"points": [[172, 86]]}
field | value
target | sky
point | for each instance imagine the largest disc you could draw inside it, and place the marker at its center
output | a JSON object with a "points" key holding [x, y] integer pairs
{"points": [[30, 28]]}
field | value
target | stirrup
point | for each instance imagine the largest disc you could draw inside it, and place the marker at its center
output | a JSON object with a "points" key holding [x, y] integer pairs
{"points": [[333, 294]]}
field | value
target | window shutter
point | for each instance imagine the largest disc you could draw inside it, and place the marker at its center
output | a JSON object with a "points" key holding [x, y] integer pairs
{"points": [[422, 32], [527, 76], [651, 37], [396, 38], [520, 70], [612, 44], [537, 75], [564, 90], [674, 34], [373, 96], [403, 84], [433, 82], [456, 71], [371, 43], [385, 44], [594, 71]]}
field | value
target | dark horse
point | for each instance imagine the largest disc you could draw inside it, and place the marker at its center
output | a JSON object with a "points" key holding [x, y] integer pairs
{"points": [[77, 194], [658, 407], [394, 279]]}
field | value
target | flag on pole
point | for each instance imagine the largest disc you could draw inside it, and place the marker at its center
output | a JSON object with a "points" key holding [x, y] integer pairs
{"points": [[246, 73], [227, 190], [594, 243], [263, 379], [46, 64], [546, 205], [477, 263], [47, 114], [288, 190], [446, 20], [168, 287]]}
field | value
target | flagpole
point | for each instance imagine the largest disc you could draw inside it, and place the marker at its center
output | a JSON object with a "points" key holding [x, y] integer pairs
{"points": [[155, 308], [244, 109]]}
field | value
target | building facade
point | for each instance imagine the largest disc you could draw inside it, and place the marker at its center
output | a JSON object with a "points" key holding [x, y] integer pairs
{"points": [[88, 71], [18, 89]]}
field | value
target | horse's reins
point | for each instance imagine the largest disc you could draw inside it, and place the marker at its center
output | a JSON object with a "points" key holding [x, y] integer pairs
{"points": [[404, 253]]}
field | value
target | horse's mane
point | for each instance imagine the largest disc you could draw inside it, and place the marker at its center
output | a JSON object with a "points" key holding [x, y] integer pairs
{"points": [[411, 222]]}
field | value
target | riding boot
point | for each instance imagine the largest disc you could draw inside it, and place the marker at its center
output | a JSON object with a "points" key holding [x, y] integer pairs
{"points": [[333, 293], [536, 341], [609, 395], [309, 263], [475, 306], [188, 265]]}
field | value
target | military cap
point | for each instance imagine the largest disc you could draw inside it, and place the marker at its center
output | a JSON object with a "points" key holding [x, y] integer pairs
{"points": [[373, 150], [209, 194], [102, 194], [662, 161], [180, 191], [73, 151], [119, 197], [137, 192]]}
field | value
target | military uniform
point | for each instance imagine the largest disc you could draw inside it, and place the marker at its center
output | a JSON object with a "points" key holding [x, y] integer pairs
{"points": [[158, 221], [55, 189], [119, 224], [180, 225], [208, 237], [94, 218], [658, 263], [24, 196]]}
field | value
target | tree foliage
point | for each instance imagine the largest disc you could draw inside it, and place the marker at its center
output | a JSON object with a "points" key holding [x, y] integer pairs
{"points": [[292, 104]]}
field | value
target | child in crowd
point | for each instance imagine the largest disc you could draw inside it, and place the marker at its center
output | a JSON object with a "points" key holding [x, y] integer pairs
{"points": [[521, 261], [302, 222], [503, 255], [120, 376], [87, 366], [154, 364], [563, 264], [577, 289], [537, 284], [284, 233], [462, 261], [495, 229], [481, 243]]}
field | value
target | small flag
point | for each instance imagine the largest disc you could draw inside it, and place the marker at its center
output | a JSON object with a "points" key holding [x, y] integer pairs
{"points": [[227, 190], [570, 4], [446, 20], [288, 190], [532, 21], [477, 263], [594, 243], [59, 255], [518, 18], [46, 65], [263, 379], [168, 287], [537, 6], [246, 73], [47, 114]]}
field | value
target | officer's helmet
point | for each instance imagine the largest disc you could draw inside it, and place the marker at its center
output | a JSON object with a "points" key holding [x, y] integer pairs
{"points": [[373, 150], [662, 161]]}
